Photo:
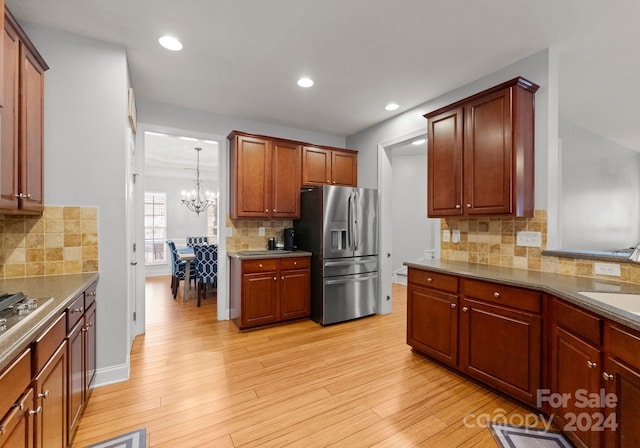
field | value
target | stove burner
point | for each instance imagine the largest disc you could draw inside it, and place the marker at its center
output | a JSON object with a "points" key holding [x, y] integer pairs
{"points": [[14, 308]]}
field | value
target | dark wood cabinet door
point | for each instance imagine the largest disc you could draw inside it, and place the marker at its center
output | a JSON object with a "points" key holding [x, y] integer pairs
{"points": [[31, 134], [286, 180], [294, 294], [9, 156], [487, 155], [444, 163], [432, 323], [76, 348], [19, 424], [51, 394], [90, 346], [575, 366], [251, 178], [316, 166], [344, 169], [501, 346], [260, 300], [624, 382]]}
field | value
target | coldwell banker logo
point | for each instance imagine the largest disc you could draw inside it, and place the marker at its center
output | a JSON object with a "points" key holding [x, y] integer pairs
{"points": [[594, 404]]}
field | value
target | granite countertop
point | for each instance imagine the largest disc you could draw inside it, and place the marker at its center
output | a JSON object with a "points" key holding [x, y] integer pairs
{"points": [[260, 254], [566, 287], [61, 288]]}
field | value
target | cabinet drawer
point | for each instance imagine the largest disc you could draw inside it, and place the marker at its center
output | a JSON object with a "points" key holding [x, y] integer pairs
{"points": [[14, 380], [522, 299], [624, 345], [48, 342], [90, 295], [434, 280], [75, 311], [256, 266], [582, 323], [294, 263]]}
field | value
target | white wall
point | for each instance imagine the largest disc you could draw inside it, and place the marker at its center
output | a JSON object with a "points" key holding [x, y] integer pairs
{"points": [[600, 200], [84, 162], [409, 208]]}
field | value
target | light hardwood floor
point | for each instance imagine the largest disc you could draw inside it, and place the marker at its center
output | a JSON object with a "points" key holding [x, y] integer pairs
{"points": [[198, 382]]}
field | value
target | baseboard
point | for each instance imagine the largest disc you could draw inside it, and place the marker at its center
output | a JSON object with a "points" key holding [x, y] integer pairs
{"points": [[111, 375]]}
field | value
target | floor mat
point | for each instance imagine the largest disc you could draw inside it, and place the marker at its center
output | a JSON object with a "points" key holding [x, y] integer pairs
{"points": [[511, 436], [133, 439]]}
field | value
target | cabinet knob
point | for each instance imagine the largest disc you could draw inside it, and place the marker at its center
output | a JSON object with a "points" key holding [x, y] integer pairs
{"points": [[429, 279], [607, 376], [295, 263], [91, 294], [458, 206], [275, 278], [77, 310], [282, 278], [266, 211], [36, 411], [44, 394], [274, 210], [453, 305], [592, 365], [334, 181], [465, 308], [496, 294], [468, 205], [260, 265], [328, 181]]}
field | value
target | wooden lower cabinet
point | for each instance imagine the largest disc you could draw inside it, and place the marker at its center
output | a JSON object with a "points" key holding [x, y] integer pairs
{"points": [[18, 424], [268, 291], [51, 401], [432, 323], [502, 347], [621, 377]]}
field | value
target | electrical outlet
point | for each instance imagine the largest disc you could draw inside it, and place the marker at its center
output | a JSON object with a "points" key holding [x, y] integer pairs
{"points": [[229, 232], [455, 236], [260, 231], [611, 269], [529, 239], [446, 236]]}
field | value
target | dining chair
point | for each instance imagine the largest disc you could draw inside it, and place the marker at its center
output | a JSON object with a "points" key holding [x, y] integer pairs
{"points": [[206, 260], [178, 269], [193, 240]]}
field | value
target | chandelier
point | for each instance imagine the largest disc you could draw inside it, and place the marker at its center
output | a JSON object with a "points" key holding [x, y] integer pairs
{"points": [[194, 199]]}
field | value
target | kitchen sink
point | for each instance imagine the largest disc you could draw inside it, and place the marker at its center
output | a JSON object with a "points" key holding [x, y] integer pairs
{"points": [[264, 252], [625, 302]]}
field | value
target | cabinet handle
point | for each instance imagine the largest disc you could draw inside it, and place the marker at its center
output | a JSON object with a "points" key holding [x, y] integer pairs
{"points": [[91, 294], [468, 205], [453, 305], [592, 364], [607, 376], [78, 310], [37, 411], [84, 329], [44, 394], [458, 206], [465, 308], [496, 294], [429, 279]]}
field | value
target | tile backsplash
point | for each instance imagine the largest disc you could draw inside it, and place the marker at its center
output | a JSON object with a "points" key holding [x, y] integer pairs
{"points": [[245, 233], [492, 241], [64, 240]]}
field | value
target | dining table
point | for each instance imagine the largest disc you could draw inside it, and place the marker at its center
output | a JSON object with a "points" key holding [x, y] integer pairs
{"points": [[187, 255]]}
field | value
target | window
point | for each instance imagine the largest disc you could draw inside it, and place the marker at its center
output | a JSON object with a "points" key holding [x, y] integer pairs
{"points": [[212, 221], [155, 227]]}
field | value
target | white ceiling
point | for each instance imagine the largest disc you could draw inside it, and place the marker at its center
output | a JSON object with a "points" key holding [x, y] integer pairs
{"points": [[242, 57]]}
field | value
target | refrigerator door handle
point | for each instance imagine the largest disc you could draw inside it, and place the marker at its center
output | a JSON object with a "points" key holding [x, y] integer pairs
{"points": [[355, 220], [351, 262], [351, 279], [350, 223]]}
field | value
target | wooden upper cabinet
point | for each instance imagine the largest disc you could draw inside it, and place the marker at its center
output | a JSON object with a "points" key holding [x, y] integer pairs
{"points": [[21, 167], [329, 166], [481, 153], [2, 51], [264, 177]]}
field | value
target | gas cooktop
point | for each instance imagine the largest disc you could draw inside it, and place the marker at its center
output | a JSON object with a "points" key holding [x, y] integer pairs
{"points": [[16, 308]]}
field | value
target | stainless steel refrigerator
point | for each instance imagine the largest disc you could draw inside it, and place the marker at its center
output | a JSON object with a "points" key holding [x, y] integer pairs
{"points": [[339, 226]]}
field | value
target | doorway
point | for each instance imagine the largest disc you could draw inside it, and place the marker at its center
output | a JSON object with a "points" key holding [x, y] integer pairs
{"points": [[406, 234], [169, 162]]}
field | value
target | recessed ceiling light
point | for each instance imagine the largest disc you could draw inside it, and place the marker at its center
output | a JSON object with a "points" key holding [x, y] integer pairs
{"points": [[391, 106], [170, 43], [211, 142], [305, 82], [418, 142], [189, 139], [158, 134]]}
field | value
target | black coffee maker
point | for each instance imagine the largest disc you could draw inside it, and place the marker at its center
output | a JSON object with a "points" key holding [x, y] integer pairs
{"points": [[289, 239]]}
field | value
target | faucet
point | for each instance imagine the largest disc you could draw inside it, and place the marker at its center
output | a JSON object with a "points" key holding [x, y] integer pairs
{"points": [[635, 255]]}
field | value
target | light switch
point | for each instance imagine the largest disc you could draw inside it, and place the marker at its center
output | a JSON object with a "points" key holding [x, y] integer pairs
{"points": [[260, 231], [455, 236], [446, 236]]}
